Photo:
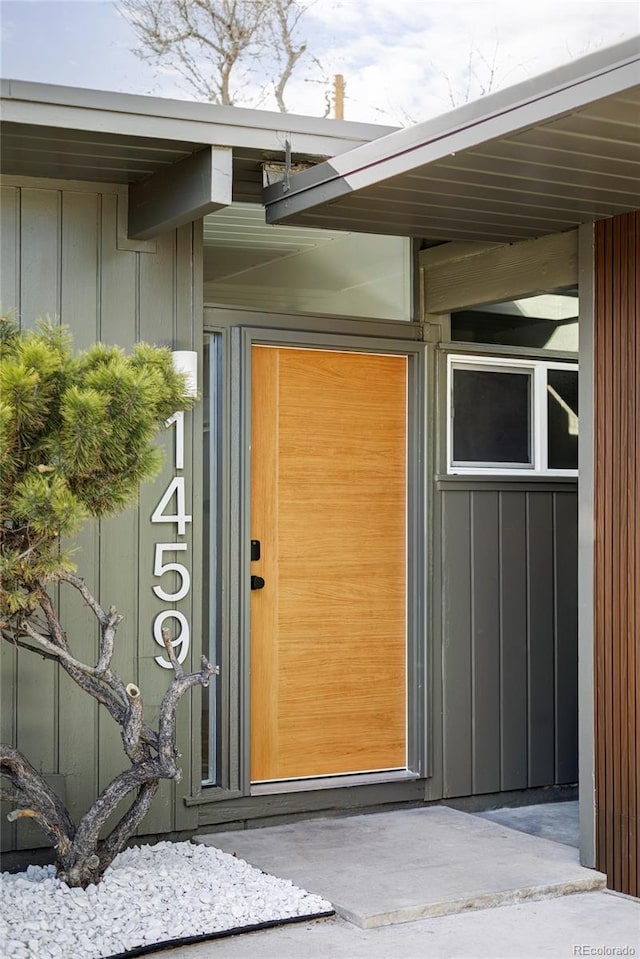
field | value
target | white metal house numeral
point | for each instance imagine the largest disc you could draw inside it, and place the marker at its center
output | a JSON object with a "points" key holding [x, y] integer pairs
{"points": [[175, 488]]}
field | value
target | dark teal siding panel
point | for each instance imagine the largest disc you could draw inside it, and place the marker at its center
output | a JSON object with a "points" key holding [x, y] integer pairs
{"points": [[566, 637], [541, 683], [513, 640], [457, 692], [509, 638], [485, 549]]}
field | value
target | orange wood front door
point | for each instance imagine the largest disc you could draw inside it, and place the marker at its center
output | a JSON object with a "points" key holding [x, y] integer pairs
{"points": [[328, 505]]}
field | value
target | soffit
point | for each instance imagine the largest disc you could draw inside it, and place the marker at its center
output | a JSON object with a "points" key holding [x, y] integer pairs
{"points": [[29, 150], [68, 133], [62, 154], [539, 159]]}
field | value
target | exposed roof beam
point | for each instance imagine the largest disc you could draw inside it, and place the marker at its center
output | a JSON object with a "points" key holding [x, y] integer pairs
{"points": [[178, 194], [471, 276]]}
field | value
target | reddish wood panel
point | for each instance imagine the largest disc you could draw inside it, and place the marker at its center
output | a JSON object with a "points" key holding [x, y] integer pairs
{"points": [[617, 549]]}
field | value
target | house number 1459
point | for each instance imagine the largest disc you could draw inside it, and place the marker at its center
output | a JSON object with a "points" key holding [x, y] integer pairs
{"points": [[165, 553]]}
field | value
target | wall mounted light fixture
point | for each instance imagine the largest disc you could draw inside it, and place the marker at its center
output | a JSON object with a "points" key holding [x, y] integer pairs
{"points": [[186, 361]]}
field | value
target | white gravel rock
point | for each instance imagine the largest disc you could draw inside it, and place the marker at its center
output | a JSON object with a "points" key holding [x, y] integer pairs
{"points": [[150, 894]]}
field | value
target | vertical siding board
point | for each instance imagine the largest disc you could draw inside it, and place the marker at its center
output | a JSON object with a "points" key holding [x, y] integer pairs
{"points": [[608, 498], [540, 639], [513, 642], [118, 567], [188, 334], [8, 656], [37, 680], [613, 724], [616, 547], [78, 712], [9, 300], [158, 292], [621, 873], [37, 732], [566, 637], [118, 278], [39, 255], [187, 817], [486, 642], [157, 324], [10, 249], [616, 551], [631, 585], [456, 544], [633, 569], [600, 606], [118, 581], [79, 306], [79, 273], [628, 557]]}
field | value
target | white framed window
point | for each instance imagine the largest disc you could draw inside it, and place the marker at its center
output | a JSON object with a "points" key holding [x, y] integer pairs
{"points": [[511, 416]]}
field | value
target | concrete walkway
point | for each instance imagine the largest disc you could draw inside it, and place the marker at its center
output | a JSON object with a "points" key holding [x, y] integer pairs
{"points": [[551, 929], [430, 882]]}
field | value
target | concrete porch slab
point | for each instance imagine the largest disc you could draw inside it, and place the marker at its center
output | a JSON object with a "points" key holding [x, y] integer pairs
{"points": [[400, 866], [553, 820]]}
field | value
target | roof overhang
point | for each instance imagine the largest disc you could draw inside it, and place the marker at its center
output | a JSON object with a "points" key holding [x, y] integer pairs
{"points": [[541, 157], [180, 159]]}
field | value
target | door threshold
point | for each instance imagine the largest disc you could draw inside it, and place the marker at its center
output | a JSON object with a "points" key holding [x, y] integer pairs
{"points": [[332, 782]]}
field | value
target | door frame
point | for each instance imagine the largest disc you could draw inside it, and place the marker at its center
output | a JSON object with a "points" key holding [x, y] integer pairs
{"points": [[262, 719], [416, 542], [238, 331]]}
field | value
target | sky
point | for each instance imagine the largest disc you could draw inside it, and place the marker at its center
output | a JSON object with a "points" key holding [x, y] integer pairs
{"points": [[402, 60]]}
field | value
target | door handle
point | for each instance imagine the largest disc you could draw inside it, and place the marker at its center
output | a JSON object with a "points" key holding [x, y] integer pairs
{"points": [[257, 582]]}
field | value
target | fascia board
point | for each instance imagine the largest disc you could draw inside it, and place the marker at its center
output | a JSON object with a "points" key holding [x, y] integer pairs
{"points": [[199, 123]]}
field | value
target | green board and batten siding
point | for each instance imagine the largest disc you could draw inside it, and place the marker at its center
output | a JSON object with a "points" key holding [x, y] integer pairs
{"points": [[61, 256], [504, 553]]}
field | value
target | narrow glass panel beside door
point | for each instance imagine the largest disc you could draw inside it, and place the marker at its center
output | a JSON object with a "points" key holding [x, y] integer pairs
{"points": [[211, 552]]}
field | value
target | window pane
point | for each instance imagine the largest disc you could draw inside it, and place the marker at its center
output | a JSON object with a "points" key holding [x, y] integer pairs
{"points": [[562, 419], [212, 444], [249, 264], [548, 321], [492, 417]]}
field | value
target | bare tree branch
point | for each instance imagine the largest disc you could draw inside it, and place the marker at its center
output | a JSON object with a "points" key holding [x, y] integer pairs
{"points": [[93, 475], [36, 798], [287, 15], [111, 846], [222, 49], [153, 755]]}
